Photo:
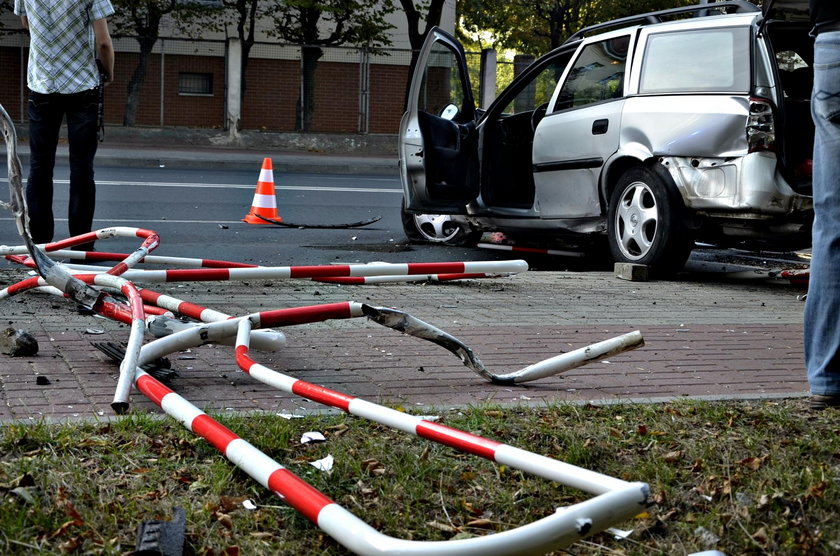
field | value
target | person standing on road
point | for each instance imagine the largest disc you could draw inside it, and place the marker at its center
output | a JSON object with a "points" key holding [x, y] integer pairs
{"points": [[822, 307], [66, 37]]}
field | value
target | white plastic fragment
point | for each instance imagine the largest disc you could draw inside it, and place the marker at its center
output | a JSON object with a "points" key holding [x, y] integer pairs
{"points": [[312, 436], [619, 533], [323, 464]]}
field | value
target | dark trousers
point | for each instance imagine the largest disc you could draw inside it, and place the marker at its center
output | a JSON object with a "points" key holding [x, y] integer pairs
{"points": [[46, 113]]}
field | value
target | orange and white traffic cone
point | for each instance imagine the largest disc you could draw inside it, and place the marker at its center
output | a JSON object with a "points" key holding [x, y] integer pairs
{"points": [[265, 200]]}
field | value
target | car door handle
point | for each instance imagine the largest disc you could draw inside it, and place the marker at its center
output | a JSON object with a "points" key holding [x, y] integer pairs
{"points": [[599, 127]]}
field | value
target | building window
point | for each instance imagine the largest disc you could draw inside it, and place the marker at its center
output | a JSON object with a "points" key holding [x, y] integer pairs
{"points": [[195, 83]]}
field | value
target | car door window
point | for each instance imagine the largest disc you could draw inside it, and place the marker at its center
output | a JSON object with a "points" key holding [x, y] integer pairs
{"points": [[443, 84], [537, 91], [597, 74]]}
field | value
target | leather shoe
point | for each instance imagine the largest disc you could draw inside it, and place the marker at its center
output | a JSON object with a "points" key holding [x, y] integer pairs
{"points": [[819, 401]]}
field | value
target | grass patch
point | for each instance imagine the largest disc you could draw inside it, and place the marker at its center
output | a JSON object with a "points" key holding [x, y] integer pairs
{"points": [[740, 477]]}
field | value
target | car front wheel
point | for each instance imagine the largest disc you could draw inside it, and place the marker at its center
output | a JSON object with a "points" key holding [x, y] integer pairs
{"points": [[436, 228], [646, 222]]}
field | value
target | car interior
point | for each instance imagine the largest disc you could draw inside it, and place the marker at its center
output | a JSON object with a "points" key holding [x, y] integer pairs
{"points": [[794, 50], [508, 172]]}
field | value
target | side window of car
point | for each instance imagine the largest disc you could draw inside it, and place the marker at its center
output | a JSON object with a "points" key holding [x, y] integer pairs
{"points": [[443, 83], [597, 75], [538, 90], [719, 62]]}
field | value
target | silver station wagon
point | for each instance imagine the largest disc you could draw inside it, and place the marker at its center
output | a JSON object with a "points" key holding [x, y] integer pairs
{"points": [[654, 132]]}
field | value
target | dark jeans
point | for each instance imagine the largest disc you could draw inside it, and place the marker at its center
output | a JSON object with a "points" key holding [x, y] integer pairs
{"points": [[46, 113]]}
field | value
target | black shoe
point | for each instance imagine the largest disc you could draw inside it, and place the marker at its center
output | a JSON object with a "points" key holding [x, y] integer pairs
{"points": [[819, 402]]}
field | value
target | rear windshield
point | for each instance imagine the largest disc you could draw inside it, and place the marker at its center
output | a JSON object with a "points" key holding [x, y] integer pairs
{"points": [[707, 60]]}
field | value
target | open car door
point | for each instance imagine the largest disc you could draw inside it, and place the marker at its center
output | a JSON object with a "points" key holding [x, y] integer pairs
{"points": [[438, 144]]}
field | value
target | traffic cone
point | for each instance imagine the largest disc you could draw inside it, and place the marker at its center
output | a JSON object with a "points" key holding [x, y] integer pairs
{"points": [[265, 200]]}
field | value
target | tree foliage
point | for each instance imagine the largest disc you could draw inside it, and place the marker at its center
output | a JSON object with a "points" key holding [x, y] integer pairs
{"points": [[427, 12], [536, 26], [314, 24], [331, 22]]}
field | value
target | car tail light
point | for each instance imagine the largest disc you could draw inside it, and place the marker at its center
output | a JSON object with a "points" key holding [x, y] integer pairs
{"points": [[761, 128], [805, 169]]}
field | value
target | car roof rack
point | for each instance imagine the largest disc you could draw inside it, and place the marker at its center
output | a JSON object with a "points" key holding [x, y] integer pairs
{"points": [[738, 6]]}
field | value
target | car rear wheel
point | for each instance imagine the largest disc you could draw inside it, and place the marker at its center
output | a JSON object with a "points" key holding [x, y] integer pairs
{"points": [[646, 222], [436, 228]]}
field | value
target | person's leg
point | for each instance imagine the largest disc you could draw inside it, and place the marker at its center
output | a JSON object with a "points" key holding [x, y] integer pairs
{"points": [[45, 115], [82, 114], [822, 308]]}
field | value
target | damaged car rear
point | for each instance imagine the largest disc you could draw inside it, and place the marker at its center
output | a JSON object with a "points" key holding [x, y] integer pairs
{"points": [[653, 131]]}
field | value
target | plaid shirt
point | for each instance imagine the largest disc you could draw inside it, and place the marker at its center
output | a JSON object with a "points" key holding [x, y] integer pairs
{"points": [[62, 49]]}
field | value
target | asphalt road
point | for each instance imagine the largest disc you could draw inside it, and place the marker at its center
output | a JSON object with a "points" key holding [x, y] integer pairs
{"points": [[198, 213]]}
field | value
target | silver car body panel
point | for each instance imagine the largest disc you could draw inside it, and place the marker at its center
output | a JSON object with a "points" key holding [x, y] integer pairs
{"points": [[686, 125], [567, 172], [738, 186]]}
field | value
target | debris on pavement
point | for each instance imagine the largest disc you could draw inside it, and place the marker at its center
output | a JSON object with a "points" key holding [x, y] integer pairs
{"points": [[175, 325], [18, 343]]}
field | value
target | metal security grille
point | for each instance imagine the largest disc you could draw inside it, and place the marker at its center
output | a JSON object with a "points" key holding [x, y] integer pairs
{"points": [[190, 83]]}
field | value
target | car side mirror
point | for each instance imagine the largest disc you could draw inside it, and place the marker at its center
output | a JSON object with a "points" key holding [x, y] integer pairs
{"points": [[449, 112]]}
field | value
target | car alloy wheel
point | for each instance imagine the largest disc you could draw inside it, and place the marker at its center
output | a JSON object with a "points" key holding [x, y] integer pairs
{"points": [[436, 228], [636, 221], [647, 219]]}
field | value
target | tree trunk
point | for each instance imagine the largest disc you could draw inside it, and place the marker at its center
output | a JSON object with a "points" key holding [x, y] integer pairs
{"points": [[306, 104], [136, 81]]}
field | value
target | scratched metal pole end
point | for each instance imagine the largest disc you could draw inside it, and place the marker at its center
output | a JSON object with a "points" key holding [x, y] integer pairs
{"points": [[53, 273], [407, 324]]}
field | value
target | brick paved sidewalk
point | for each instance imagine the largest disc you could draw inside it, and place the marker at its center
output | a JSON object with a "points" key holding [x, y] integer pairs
{"points": [[705, 337]]}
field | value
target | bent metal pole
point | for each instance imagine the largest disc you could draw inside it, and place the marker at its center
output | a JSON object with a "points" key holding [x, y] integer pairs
{"points": [[618, 501]]}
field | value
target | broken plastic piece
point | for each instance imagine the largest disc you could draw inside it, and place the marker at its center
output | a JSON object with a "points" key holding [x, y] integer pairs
{"points": [[164, 538]]}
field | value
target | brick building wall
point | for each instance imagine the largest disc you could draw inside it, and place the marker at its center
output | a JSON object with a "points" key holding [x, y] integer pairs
{"points": [[271, 92], [269, 101], [179, 109], [13, 86], [387, 97]]}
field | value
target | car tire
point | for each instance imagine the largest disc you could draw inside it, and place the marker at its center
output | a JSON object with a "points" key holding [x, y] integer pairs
{"points": [[436, 228], [647, 222]]}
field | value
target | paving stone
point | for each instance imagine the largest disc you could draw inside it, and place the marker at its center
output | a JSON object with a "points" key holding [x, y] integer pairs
{"points": [[702, 338]]}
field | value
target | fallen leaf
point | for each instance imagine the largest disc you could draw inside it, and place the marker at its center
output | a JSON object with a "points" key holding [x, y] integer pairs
{"points": [[263, 535], [817, 490], [373, 467], [442, 527], [338, 430], [25, 494], [673, 457], [61, 531], [481, 523], [71, 545], [752, 463], [224, 520], [230, 503]]}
